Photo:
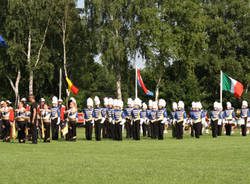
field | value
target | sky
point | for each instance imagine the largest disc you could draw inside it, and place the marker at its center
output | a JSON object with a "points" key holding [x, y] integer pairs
{"points": [[139, 61]]}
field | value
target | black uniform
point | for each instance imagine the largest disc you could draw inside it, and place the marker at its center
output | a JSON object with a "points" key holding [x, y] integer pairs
{"points": [[88, 116], [33, 125]]}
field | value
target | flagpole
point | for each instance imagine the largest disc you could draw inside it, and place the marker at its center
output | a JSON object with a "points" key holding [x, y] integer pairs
{"points": [[136, 94], [60, 84], [221, 87]]}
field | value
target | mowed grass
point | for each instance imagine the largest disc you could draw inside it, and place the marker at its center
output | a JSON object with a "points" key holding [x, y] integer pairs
{"points": [[204, 160]]}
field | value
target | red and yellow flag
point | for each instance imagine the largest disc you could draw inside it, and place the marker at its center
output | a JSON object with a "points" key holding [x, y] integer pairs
{"points": [[71, 86]]}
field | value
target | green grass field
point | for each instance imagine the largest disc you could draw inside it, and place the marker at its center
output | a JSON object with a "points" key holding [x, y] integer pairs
{"points": [[204, 160]]}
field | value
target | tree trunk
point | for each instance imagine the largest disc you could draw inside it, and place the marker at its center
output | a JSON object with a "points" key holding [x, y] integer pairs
{"points": [[157, 89], [31, 77], [29, 63], [16, 86], [118, 84]]}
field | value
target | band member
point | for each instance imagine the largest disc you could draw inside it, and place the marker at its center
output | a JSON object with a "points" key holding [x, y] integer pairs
{"points": [[173, 120], [215, 116], [110, 117], [72, 120], [89, 121], [144, 119], [99, 118], [245, 115], [229, 117], [55, 118], [45, 122], [105, 124], [33, 119], [136, 119], [1, 123], [150, 106], [62, 110], [118, 119], [128, 124], [180, 116], [161, 119], [20, 119], [39, 110], [5, 111], [27, 119], [197, 117], [220, 121], [153, 119]]}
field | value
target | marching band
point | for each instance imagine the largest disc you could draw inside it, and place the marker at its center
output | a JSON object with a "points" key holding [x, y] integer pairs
{"points": [[111, 120]]}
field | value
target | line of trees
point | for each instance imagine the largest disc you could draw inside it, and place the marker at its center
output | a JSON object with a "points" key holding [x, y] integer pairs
{"points": [[185, 43]]}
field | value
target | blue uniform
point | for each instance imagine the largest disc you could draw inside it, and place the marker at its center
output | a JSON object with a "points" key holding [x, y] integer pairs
{"points": [[127, 112], [118, 115], [215, 115], [180, 115], [197, 116], [136, 114], [136, 124], [55, 112], [229, 114], [98, 113], [88, 114], [161, 114], [244, 113]]}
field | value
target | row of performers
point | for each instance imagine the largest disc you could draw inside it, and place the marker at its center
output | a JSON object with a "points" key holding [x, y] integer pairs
{"points": [[111, 119]]}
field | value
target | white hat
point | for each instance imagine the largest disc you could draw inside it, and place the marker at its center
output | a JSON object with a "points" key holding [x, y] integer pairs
{"points": [[2, 102], [155, 105], [137, 101], [110, 101], [42, 100], [90, 102], [216, 104], [97, 100], [229, 105], [162, 102], [23, 100], [144, 106], [150, 103], [130, 101], [181, 104], [60, 100], [106, 101], [8, 102], [244, 103], [174, 105], [193, 104], [120, 103], [116, 102], [73, 99], [199, 105]]}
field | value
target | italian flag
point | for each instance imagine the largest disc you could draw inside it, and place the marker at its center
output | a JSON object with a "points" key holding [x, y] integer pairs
{"points": [[232, 85]]}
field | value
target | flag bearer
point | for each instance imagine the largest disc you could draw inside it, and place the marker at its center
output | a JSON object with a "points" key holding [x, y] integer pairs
{"points": [[62, 109], [245, 115], [153, 119], [229, 117], [5, 111], [136, 119], [144, 119], [173, 120], [45, 121], [88, 116], [105, 124], [99, 118], [119, 119], [180, 117], [215, 116], [149, 129], [110, 118], [128, 124], [197, 117], [161, 119], [72, 120], [20, 119], [55, 118]]}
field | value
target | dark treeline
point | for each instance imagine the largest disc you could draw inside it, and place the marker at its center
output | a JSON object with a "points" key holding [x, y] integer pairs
{"points": [[185, 44]]}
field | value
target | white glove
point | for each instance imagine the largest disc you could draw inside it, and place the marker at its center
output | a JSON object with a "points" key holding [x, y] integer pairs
{"points": [[184, 121], [164, 121], [11, 123], [92, 121], [122, 122], [58, 121], [103, 119], [113, 122], [203, 121], [141, 121], [131, 122], [219, 121]]}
